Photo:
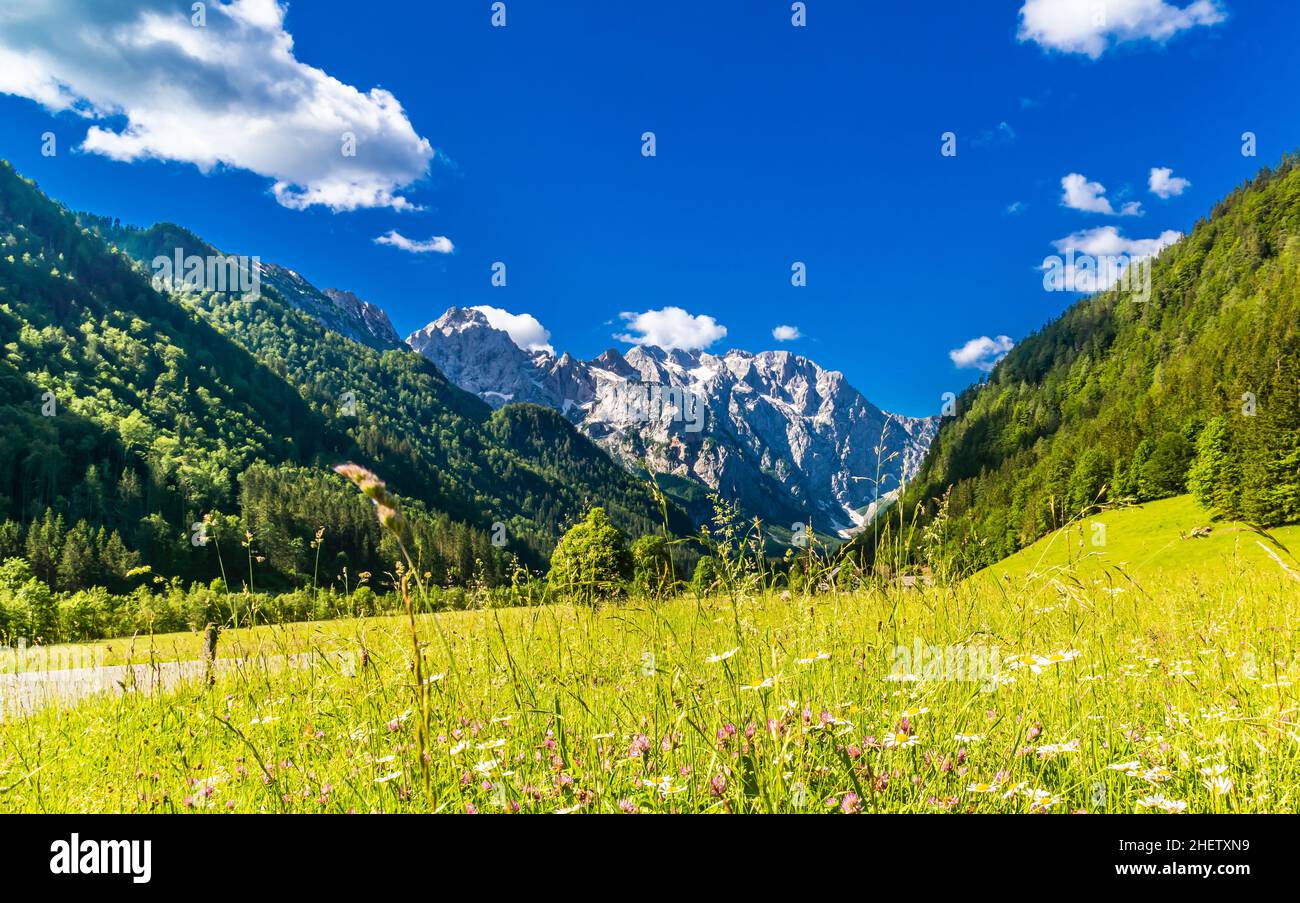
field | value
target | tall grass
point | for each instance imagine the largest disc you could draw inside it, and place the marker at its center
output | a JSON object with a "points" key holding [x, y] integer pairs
{"points": [[792, 691]]}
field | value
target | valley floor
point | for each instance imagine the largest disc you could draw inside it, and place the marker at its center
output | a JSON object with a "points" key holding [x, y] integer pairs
{"points": [[1059, 690]]}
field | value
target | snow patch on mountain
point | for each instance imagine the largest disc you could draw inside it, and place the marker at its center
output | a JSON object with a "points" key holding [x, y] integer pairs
{"points": [[785, 438]]}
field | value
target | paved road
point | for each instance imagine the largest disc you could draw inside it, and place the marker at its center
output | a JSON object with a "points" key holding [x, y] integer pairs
{"points": [[29, 691]]}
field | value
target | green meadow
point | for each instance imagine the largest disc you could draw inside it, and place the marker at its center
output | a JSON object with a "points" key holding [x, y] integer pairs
{"points": [[1152, 674]]}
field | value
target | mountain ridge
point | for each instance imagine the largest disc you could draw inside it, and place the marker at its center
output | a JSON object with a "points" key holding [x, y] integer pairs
{"points": [[147, 407], [786, 438]]}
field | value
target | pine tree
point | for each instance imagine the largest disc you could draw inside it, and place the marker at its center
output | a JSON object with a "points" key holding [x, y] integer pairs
{"points": [[11, 539], [1088, 479], [78, 564], [116, 561], [45, 545], [1278, 482], [1214, 477]]}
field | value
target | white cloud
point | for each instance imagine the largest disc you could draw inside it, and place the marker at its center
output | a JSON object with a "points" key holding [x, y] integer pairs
{"points": [[786, 333], [155, 87], [1080, 194], [1106, 240], [1090, 27], [671, 327], [525, 330], [1095, 259], [438, 244], [1165, 184], [981, 353]]}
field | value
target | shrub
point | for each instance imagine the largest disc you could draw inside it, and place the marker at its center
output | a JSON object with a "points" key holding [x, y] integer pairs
{"points": [[652, 566], [592, 561], [706, 575]]}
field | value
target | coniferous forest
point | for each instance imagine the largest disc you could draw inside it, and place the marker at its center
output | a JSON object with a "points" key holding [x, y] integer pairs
{"points": [[1196, 389], [151, 436]]}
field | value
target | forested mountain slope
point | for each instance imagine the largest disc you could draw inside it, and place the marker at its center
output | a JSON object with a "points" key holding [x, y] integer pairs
{"points": [[127, 414], [1197, 388]]}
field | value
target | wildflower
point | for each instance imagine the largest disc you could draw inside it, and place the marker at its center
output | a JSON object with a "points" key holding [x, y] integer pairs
{"points": [[1157, 775], [1042, 799], [388, 777], [1219, 786], [1159, 801], [487, 766], [850, 803], [1014, 791], [819, 657], [627, 806], [1052, 750], [913, 712], [717, 785], [640, 745], [983, 788], [899, 740], [663, 785], [722, 656]]}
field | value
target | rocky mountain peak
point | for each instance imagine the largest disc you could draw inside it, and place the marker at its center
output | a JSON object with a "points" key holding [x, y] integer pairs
{"points": [[788, 439]]}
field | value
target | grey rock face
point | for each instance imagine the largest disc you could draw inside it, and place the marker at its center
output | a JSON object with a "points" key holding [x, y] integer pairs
{"points": [[340, 311], [774, 432]]}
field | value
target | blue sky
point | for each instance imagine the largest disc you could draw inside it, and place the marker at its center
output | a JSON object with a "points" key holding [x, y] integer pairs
{"points": [[774, 144]]}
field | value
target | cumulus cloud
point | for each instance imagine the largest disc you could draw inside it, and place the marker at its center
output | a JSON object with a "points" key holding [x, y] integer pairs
{"points": [[1107, 240], [153, 86], [981, 353], [1164, 184], [1095, 259], [1091, 27], [438, 244], [1080, 194], [786, 333], [671, 327], [525, 330]]}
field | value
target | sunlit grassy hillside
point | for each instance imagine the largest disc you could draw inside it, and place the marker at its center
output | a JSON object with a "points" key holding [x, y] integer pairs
{"points": [[1150, 542]]}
